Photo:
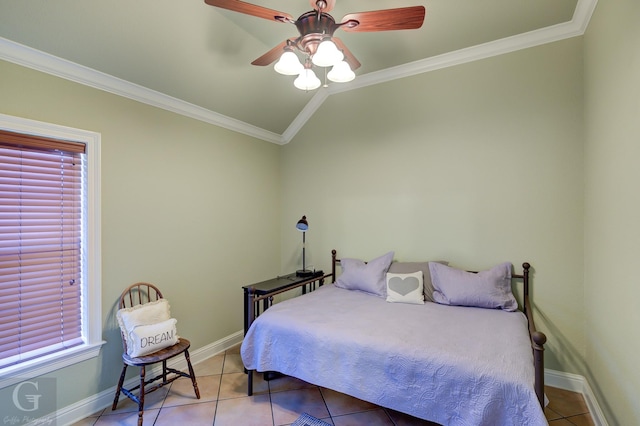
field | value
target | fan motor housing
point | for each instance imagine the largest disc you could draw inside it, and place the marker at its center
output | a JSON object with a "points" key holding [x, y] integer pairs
{"points": [[313, 26]]}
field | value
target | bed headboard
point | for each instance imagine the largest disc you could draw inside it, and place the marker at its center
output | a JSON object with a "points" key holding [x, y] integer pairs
{"points": [[524, 276]]}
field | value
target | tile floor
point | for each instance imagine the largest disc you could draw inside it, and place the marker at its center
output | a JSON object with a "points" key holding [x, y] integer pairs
{"points": [[223, 401]]}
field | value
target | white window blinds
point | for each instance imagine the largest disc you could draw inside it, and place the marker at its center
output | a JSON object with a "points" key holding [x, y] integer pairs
{"points": [[41, 245]]}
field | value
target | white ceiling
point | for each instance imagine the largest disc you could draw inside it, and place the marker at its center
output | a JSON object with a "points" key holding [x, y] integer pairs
{"points": [[194, 59]]}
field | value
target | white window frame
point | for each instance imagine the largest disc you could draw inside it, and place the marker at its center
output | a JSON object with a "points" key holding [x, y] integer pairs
{"points": [[92, 290]]}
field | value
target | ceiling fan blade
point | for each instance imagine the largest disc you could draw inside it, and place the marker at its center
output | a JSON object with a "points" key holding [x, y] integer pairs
{"points": [[327, 5], [272, 55], [348, 56], [251, 9], [404, 18]]}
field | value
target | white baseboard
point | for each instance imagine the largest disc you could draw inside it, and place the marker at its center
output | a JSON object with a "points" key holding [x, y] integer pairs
{"points": [[91, 405], [576, 383]]}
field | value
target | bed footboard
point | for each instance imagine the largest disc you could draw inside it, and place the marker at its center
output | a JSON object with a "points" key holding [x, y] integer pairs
{"points": [[538, 339]]}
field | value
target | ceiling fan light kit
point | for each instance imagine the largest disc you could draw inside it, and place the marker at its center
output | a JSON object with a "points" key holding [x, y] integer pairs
{"points": [[316, 42]]}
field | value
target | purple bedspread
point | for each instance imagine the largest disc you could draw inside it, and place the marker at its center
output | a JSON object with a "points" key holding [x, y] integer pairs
{"points": [[451, 365]]}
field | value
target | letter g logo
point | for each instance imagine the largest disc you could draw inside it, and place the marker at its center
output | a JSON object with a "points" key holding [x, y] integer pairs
{"points": [[33, 399]]}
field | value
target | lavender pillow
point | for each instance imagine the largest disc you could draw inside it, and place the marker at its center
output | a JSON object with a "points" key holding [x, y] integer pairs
{"points": [[368, 277], [486, 289]]}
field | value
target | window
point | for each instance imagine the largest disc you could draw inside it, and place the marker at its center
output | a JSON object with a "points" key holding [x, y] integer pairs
{"points": [[49, 248]]}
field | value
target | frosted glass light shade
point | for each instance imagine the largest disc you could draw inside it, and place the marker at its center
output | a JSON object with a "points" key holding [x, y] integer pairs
{"points": [[307, 80], [341, 73], [288, 64], [327, 54]]}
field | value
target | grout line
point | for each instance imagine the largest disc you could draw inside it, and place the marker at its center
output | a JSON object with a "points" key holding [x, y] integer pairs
{"points": [[325, 405], [215, 414], [273, 417]]}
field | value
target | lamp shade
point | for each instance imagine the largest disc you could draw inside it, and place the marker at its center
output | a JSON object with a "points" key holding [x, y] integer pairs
{"points": [[327, 54], [289, 64], [341, 73], [307, 80], [302, 224]]}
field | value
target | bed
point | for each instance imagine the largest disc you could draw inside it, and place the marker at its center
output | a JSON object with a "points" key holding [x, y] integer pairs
{"points": [[447, 360]]}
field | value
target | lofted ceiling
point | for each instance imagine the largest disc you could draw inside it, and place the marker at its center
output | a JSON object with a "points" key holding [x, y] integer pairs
{"points": [[195, 59]]}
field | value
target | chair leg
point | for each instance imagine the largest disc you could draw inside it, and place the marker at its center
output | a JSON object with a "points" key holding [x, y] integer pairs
{"points": [[141, 397], [164, 372], [192, 374], [120, 382]]}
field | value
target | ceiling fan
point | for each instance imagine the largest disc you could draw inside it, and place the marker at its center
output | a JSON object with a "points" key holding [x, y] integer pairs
{"points": [[316, 42]]}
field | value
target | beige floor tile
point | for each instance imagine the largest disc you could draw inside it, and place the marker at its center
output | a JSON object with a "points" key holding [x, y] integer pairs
{"points": [[402, 419], [181, 391], [550, 414], [247, 411], [288, 383], [127, 419], [210, 366], [153, 400], [565, 403], [234, 349], [377, 417], [581, 420], [233, 364], [259, 384], [339, 403], [234, 385], [289, 405], [193, 414], [560, 422]]}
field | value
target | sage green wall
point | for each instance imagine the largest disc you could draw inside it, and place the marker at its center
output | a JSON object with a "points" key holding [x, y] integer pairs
{"points": [[475, 164], [612, 227], [186, 205]]}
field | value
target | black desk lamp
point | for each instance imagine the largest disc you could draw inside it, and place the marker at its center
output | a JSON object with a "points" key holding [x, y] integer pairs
{"points": [[302, 226]]}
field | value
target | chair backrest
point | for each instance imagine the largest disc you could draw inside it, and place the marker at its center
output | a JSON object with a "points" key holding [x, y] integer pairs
{"points": [[138, 294]]}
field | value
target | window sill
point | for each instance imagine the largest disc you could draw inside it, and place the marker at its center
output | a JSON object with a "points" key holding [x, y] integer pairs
{"points": [[46, 364]]}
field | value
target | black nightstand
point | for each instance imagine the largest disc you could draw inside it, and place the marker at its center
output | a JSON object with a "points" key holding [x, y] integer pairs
{"points": [[265, 290]]}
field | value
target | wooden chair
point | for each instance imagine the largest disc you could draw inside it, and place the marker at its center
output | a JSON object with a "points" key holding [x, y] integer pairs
{"points": [[138, 294]]}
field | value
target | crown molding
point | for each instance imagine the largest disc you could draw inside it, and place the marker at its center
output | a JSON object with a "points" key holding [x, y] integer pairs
{"points": [[307, 112], [576, 27], [53, 65]]}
